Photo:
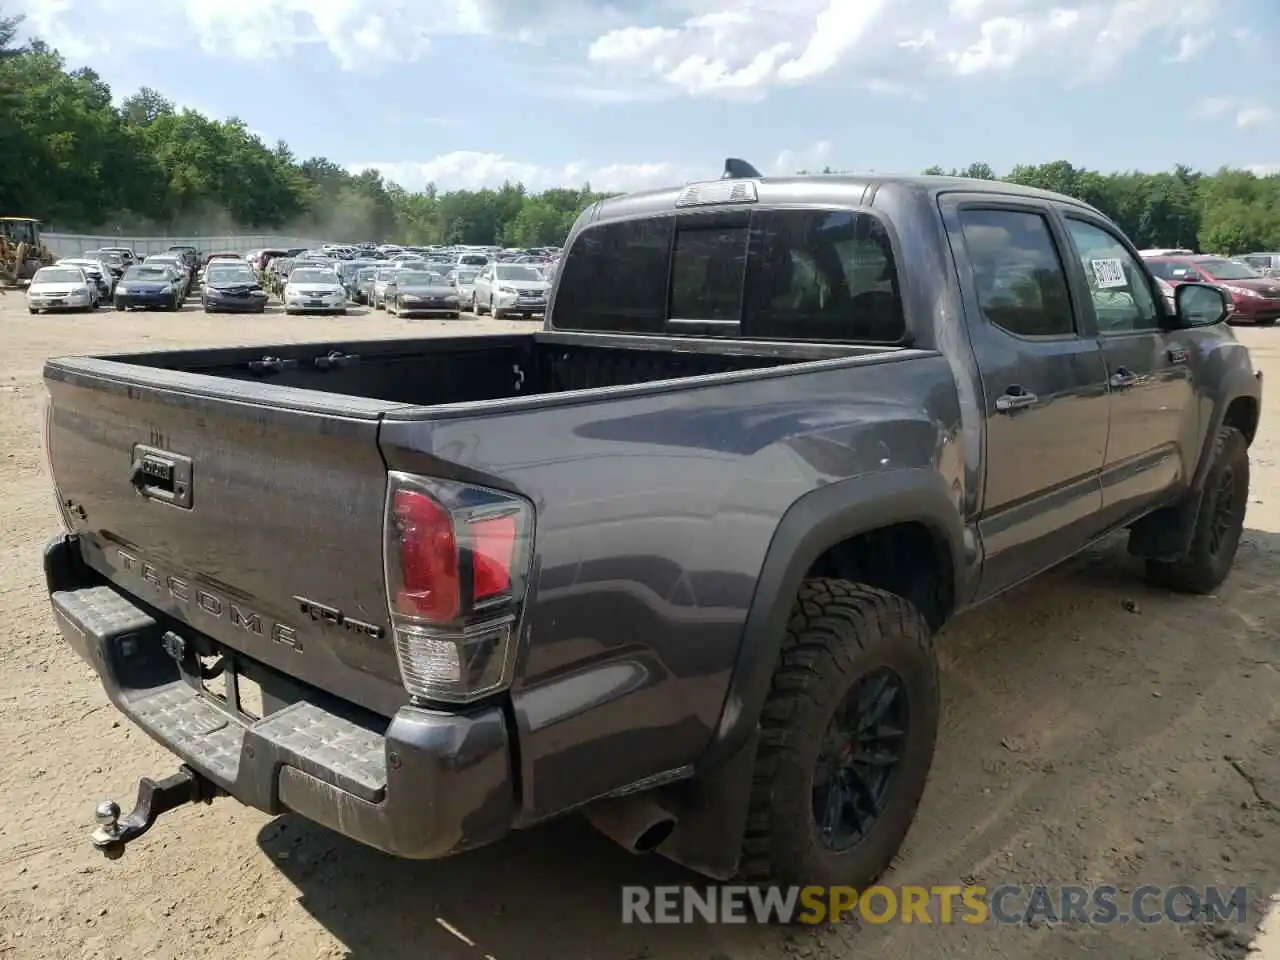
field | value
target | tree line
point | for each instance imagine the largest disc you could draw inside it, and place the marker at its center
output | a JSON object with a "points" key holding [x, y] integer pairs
{"points": [[78, 162]]}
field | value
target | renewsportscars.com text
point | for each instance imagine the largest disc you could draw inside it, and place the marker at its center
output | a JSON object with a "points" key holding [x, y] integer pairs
{"points": [[1008, 904]]}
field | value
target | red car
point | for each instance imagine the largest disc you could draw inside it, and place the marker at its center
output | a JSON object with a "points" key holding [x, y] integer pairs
{"points": [[1255, 298]]}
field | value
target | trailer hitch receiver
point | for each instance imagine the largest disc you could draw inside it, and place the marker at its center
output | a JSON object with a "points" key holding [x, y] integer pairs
{"points": [[154, 798]]}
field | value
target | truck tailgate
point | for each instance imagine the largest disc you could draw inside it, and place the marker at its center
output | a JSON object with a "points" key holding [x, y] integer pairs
{"points": [[241, 515]]}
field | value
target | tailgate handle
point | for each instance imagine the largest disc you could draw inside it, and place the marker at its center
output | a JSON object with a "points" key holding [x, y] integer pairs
{"points": [[335, 359], [271, 365], [160, 475]]}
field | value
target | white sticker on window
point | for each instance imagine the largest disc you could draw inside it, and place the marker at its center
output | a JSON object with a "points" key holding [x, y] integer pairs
{"points": [[1109, 273]]}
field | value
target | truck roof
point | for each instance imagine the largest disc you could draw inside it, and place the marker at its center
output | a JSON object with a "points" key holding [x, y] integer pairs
{"points": [[845, 189]]}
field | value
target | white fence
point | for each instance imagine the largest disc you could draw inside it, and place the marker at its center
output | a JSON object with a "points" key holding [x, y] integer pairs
{"points": [[74, 244]]}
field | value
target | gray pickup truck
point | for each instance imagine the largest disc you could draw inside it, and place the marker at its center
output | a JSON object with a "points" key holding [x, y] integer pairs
{"points": [[674, 560]]}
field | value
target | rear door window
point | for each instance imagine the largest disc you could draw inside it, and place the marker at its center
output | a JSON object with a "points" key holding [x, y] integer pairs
{"points": [[789, 274], [822, 275]]}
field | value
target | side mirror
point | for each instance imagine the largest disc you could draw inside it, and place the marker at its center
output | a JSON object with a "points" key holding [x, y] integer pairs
{"points": [[1200, 304]]}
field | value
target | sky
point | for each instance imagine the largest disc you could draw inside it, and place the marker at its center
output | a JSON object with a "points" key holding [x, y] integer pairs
{"points": [[632, 94]]}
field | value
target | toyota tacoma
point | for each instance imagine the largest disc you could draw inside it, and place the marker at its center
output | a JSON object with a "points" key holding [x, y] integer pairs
{"points": [[677, 558]]}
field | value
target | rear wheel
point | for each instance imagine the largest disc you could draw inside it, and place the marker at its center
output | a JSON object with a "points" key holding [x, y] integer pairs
{"points": [[1219, 522], [846, 741]]}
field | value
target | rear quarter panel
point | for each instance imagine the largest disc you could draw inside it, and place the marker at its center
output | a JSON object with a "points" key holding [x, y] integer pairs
{"points": [[655, 510]]}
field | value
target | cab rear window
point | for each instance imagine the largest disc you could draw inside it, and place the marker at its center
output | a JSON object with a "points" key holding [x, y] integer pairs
{"points": [[762, 274]]}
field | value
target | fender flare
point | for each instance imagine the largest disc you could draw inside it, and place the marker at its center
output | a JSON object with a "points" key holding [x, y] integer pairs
{"points": [[816, 522], [1240, 384]]}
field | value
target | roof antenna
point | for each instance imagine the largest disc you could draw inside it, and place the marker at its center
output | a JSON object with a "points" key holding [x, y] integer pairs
{"points": [[735, 169]]}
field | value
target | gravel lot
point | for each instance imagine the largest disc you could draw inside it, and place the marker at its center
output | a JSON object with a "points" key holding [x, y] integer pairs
{"points": [[1095, 731]]}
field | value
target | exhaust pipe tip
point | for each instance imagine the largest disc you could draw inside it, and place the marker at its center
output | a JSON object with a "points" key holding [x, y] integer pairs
{"points": [[654, 837], [635, 823]]}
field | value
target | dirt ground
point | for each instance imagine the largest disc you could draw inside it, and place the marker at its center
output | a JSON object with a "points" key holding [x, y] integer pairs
{"points": [[1095, 731]]}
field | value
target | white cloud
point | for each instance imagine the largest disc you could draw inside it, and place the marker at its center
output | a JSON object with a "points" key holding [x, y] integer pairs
{"points": [[1190, 45], [1254, 116], [703, 48], [750, 46], [1263, 169], [358, 33], [473, 169], [1246, 114]]}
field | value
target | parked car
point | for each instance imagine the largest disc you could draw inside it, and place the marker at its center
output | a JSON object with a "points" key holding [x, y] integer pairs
{"points": [[60, 288], [232, 286], [1254, 298], [464, 282], [113, 260], [505, 288], [189, 255], [415, 293], [126, 253], [314, 290], [101, 282], [364, 285], [348, 272], [1266, 264], [179, 265], [150, 286], [675, 560], [379, 290]]}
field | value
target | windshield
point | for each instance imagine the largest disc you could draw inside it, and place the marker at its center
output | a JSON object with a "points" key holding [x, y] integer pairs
{"points": [[168, 260], [153, 273], [473, 259], [419, 278], [313, 276], [221, 274], [511, 271], [57, 275], [88, 266], [1228, 270], [466, 276], [366, 273]]}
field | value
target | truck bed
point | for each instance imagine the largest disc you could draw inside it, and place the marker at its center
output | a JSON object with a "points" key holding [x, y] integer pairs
{"points": [[447, 370], [283, 454]]}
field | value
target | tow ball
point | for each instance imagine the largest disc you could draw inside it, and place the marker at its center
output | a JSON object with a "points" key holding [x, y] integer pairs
{"points": [[154, 798]]}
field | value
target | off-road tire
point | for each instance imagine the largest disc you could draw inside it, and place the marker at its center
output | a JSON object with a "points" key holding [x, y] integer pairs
{"points": [[838, 633], [1204, 568]]}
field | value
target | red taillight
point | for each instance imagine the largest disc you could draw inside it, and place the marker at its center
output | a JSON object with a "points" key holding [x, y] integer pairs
{"points": [[429, 585], [493, 546], [457, 559]]}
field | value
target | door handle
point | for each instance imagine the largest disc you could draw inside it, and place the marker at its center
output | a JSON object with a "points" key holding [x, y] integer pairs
{"points": [[1015, 398], [1123, 378]]}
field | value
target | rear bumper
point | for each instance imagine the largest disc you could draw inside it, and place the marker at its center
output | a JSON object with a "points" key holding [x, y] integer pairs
{"points": [[426, 785]]}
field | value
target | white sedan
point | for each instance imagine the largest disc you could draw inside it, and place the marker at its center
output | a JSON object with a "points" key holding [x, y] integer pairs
{"points": [[314, 290], [60, 288]]}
